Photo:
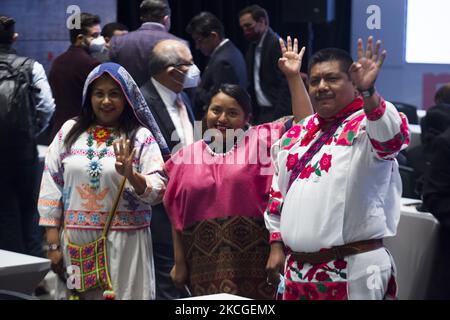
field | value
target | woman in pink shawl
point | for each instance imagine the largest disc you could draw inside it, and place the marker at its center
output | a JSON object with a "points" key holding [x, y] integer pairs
{"points": [[219, 188]]}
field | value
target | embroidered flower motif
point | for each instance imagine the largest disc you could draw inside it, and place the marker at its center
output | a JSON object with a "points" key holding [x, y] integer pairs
{"points": [[337, 291], [275, 194], [95, 168], [274, 206], [294, 133], [292, 292], [377, 145], [308, 137], [306, 172], [322, 276], [394, 144], [95, 219], [312, 125], [101, 134], [325, 162], [310, 292], [291, 161], [340, 264]]}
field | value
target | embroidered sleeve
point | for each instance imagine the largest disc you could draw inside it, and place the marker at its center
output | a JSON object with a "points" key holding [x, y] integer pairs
{"points": [[149, 162], [388, 131], [50, 202], [272, 214]]}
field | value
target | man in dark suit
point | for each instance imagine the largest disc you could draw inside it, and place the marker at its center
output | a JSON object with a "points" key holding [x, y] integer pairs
{"points": [[226, 63], [168, 68], [268, 87], [133, 49], [70, 70]]}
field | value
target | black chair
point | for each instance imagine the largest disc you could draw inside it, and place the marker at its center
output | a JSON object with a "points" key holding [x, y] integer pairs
{"points": [[409, 110], [408, 182]]}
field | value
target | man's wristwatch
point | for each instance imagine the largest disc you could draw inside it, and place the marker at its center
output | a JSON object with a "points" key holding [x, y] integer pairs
{"points": [[52, 247], [367, 93]]}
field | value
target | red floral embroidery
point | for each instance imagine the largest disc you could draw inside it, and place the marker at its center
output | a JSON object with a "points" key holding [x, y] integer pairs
{"points": [[275, 194], [274, 206], [340, 264], [310, 292], [350, 131], [309, 136], [337, 291], [292, 291], [275, 236], [322, 276], [325, 162], [291, 161], [312, 124], [306, 172], [378, 112], [394, 144], [294, 133], [312, 128]]}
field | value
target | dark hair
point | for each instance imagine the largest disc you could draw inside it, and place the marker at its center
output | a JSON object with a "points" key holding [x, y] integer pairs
{"points": [[7, 29], [442, 96], [109, 28], [128, 122], [87, 21], [204, 24], [154, 10], [257, 13], [331, 54], [237, 93]]}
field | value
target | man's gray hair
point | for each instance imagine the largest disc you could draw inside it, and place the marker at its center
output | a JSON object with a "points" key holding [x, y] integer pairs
{"points": [[162, 58]]}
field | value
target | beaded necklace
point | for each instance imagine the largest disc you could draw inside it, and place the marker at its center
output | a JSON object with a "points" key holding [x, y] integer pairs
{"points": [[99, 134]]}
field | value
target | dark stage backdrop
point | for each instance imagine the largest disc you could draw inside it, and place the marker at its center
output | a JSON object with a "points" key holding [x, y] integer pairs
{"points": [[334, 34]]}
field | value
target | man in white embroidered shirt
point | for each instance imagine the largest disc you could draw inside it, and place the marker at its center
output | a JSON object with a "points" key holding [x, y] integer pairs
{"points": [[336, 189]]}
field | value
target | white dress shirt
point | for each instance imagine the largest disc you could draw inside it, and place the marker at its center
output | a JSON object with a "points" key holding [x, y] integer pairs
{"points": [[168, 97], [260, 96]]}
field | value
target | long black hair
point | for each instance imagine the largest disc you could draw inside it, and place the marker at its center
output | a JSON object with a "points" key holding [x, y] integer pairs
{"points": [[128, 123]]}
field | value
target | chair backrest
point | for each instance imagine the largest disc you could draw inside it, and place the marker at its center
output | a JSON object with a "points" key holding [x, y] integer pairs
{"points": [[408, 182], [409, 110]]}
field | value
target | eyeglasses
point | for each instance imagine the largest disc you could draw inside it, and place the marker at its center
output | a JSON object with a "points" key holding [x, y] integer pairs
{"points": [[187, 64]]}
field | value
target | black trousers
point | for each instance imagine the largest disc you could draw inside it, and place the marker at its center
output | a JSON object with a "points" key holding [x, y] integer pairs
{"points": [[163, 255], [19, 218]]}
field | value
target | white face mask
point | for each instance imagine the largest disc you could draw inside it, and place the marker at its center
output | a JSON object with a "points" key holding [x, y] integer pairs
{"points": [[97, 44], [192, 77]]}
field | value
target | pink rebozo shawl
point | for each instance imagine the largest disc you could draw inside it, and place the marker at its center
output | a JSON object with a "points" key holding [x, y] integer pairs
{"points": [[204, 185]]}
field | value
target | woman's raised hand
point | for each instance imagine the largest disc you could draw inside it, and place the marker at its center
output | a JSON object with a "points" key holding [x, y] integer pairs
{"points": [[124, 158]]}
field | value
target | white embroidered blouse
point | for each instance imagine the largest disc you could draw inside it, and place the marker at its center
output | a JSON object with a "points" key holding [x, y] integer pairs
{"points": [[66, 195]]}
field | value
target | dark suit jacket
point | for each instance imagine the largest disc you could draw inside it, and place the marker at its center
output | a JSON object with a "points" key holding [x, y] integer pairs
{"points": [[66, 78], [226, 65], [132, 50], [273, 82], [160, 225], [159, 110]]}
